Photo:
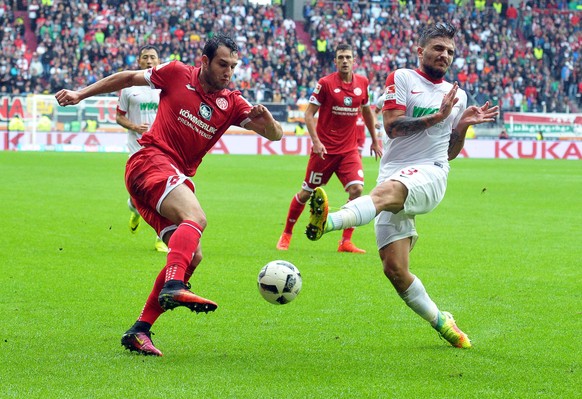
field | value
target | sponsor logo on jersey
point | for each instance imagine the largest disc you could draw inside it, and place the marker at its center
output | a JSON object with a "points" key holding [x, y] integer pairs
{"points": [[205, 111], [415, 92], [337, 90], [317, 89], [222, 103], [348, 101], [202, 128], [390, 92], [190, 87], [358, 91]]}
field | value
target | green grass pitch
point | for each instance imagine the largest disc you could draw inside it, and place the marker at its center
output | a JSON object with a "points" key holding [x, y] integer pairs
{"points": [[502, 253]]}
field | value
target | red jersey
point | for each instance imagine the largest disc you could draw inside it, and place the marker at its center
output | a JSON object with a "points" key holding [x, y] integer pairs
{"points": [[339, 105], [189, 121]]}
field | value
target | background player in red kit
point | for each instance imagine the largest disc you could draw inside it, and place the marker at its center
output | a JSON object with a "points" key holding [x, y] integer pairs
{"points": [[195, 109], [339, 98]]}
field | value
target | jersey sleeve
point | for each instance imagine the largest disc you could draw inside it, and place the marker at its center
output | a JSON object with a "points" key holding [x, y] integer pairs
{"points": [[242, 108], [123, 102], [395, 92], [318, 95], [162, 75]]}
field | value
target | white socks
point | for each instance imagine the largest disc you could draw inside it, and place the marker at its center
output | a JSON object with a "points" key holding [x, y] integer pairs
{"points": [[357, 212], [418, 300]]}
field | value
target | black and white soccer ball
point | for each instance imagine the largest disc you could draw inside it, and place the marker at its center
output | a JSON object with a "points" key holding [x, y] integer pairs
{"points": [[279, 282]]}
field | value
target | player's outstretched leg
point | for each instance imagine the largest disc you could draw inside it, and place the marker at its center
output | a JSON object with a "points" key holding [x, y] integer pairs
{"points": [[140, 342], [175, 293], [452, 334], [319, 208], [134, 217]]}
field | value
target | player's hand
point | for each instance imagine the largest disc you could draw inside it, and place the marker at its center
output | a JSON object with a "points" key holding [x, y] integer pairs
{"points": [[474, 115], [260, 111], [319, 149], [376, 149], [67, 97], [449, 101], [144, 127]]}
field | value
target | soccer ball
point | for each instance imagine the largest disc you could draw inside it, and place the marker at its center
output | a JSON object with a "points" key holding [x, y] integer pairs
{"points": [[279, 282]]}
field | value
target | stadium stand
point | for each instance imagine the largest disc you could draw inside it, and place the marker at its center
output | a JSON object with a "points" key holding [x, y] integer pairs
{"points": [[524, 59]]}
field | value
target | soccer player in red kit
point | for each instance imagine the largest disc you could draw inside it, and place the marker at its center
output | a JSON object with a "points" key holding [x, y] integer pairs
{"points": [[339, 98], [195, 109]]}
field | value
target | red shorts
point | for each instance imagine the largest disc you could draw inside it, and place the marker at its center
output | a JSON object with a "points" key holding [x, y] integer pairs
{"points": [[347, 167], [149, 177]]}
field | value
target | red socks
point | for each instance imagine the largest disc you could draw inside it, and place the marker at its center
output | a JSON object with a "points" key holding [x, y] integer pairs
{"points": [[182, 246], [295, 210]]}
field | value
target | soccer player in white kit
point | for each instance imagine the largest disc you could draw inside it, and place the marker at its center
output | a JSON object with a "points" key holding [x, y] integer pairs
{"points": [[426, 119], [136, 111]]}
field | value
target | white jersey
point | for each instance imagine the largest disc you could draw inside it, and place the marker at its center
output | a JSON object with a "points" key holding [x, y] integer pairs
{"points": [[140, 105], [415, 93]]}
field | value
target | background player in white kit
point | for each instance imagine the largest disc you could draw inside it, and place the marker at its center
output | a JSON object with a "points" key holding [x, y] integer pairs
{"points": [[136, 111], [426, 120]]}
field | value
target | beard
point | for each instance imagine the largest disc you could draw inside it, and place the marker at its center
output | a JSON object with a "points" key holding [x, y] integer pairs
{"points": [[434, 73]]}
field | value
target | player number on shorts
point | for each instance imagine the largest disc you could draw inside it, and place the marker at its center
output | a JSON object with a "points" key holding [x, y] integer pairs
{"points": [[409, 172], [315, 178]]}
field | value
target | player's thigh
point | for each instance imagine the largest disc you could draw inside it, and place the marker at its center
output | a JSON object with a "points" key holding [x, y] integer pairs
{"points": [[150, 177], [181, 204], [425, 188], [319, 171]]}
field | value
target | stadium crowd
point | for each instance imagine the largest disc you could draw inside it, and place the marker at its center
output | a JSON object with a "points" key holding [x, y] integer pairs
{"points": [[524, 59]]}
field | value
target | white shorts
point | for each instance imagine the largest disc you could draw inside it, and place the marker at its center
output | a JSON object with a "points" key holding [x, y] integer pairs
{"points": [[426, 185]]}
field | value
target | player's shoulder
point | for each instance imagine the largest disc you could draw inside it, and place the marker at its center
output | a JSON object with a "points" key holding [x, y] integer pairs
{"points": [[406, 72], [327, 79], [173, 67]]}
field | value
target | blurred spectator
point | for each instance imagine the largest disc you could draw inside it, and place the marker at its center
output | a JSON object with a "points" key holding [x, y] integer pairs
{"points": [[503, 135], [525, 57]]}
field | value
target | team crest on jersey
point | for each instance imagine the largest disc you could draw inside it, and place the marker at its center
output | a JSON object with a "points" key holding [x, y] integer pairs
{"points": [[317, 89], [390, 92], [205, 111], [358, 91], [348, 101], [222, 103]]}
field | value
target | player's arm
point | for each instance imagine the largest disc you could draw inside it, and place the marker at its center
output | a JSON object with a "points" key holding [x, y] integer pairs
{"points": [[396, 124], [472, 116], [263, 123], [311, 124], [370, 121], [122, 120], [109, 84]]}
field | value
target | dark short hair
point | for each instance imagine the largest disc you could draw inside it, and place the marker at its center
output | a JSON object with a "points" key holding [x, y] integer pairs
{"points": [[440, 29], [343, 47], [147, 47], [216, 41]]}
